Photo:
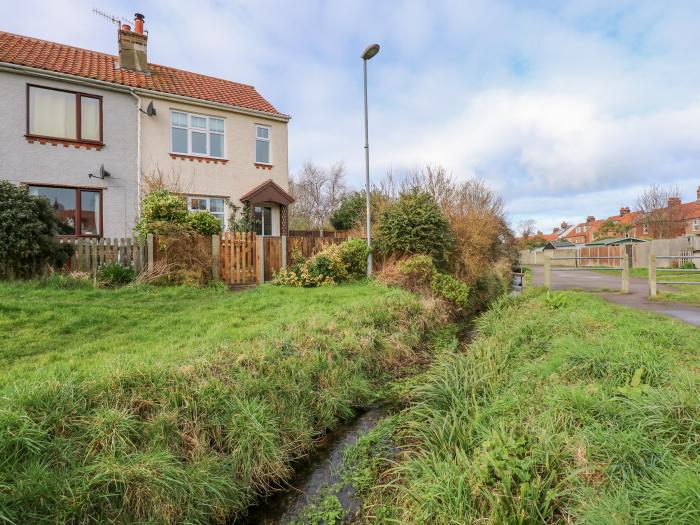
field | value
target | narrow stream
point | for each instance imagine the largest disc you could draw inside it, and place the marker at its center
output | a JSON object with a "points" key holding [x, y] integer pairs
{"points": [[322, 470]]}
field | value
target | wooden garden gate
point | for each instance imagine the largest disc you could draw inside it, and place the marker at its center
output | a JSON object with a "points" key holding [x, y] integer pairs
{"points": [[238, 262]]}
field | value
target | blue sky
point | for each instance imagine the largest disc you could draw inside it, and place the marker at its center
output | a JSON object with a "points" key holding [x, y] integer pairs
{"points": [[565, 108]]}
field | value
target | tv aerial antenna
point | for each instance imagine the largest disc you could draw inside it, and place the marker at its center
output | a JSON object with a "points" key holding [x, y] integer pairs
{"points": [[118, 20]]}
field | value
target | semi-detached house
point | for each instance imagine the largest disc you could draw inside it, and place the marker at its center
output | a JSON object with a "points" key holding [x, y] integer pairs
{"points": [[88, 130]]}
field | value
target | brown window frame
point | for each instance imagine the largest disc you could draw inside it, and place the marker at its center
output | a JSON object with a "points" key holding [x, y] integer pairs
{"points": [[78, 206], [78, 106]]}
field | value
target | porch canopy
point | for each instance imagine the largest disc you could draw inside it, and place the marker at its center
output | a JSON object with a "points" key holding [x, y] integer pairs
{"points": [[268, 191]]}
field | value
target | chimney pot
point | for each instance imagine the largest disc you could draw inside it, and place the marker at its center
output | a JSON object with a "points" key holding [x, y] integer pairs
{"points": [[138, 23], [126, 27]]}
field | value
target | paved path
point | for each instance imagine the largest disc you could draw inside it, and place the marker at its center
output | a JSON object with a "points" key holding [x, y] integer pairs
{"points": [[608, 285]]}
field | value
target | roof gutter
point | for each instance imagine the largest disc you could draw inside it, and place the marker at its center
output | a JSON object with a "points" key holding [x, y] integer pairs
{"points": [[113, 86]]}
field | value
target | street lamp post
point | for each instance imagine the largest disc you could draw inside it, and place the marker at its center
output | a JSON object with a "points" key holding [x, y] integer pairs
{"points": [[367, 54]]}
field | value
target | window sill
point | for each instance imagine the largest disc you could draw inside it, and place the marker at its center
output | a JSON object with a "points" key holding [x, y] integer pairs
{"points": [[263, 166], [66, 143], [192, 158]]}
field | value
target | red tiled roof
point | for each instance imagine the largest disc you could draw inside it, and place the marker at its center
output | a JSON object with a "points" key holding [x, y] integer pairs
{"points": [[60, 58]]}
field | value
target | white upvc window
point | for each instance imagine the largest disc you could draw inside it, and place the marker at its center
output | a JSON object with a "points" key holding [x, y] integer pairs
{"points": [[696, 224], [263, 137], [214, 205], [198, 135], [645, 229]]}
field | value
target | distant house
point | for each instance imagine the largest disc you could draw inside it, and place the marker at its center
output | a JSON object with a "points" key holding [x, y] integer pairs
{"points": [[86, 129], [583, 232]]}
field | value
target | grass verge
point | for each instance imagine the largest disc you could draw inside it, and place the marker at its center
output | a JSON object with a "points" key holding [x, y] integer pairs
{"points": [[182, 405], [564, 409]]}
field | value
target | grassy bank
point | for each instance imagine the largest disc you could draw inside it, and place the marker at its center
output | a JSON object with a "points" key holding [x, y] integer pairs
{"points": [[564, 409], [178, 404]]}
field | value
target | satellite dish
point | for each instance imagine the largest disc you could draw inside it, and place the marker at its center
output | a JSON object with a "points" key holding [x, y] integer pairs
{"points": [[150, 110], [102, 173]]}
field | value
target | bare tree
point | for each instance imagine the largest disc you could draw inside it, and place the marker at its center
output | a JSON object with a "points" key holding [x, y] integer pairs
{"points": [[660, 211], [526, 228], [317, 191]]}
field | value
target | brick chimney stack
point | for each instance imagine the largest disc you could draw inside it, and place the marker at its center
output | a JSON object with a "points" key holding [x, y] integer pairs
{"points": [[590, 219], [698, 194], [133, 46], [674, 201], [564, 225], [624, 211]]}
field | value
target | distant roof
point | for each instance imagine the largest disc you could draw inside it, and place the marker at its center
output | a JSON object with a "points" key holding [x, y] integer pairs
{"points": [[559, 243], [60, 58], [615, 240]]}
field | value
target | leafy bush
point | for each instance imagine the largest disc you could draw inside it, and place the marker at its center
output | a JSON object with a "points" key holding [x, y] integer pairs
{"points": [[418, 274], [350, 210], [418, 271], [335, 264], [450, 289], [204, 223], [415, 225], [113, 274], [688, 265], [28, 230], [354, 255], [165, 213]]}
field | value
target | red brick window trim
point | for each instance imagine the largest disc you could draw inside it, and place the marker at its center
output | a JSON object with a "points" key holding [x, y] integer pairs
{"points": [[65, 143], [192, 158], [261, 166]]}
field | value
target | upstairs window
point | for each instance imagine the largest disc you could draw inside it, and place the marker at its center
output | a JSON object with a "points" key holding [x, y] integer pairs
{"points": [[262, 144], [196, 135], [214, 205], [60, 114], [696, 224]]}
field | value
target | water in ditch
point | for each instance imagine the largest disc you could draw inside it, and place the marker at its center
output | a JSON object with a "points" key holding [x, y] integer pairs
{"points": [[321, 471]]}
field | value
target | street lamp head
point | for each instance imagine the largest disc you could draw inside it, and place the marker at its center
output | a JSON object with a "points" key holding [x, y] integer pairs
{"points": [[370, 51]]}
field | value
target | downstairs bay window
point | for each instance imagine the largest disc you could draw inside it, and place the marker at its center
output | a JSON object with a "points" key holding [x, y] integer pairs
{"points": [[79, 210]]}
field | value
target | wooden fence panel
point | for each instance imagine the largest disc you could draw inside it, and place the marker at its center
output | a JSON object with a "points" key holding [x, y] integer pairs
{"points": [[273, 255], [90, 254], [237, 258], [309, 246]]}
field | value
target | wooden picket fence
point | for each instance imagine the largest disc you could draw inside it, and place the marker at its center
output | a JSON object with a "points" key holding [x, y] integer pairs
{"points": [[89, 254], [238, 260]]}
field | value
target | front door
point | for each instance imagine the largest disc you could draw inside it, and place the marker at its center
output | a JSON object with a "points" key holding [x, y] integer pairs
{"points": [[263, 220]]}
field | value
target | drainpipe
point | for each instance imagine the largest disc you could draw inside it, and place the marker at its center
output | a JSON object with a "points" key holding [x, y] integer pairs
{"points": [[138, 152]]}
